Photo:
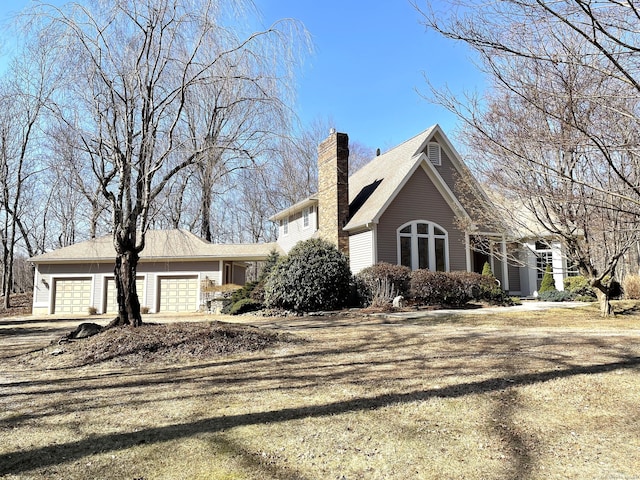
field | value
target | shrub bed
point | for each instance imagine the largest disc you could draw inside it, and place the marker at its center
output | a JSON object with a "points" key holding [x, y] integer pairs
{"points": [[454, 288], [379, 283]]}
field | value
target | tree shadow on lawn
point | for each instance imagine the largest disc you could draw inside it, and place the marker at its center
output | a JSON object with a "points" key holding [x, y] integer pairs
{"points": [[17, 462], [469, 354]]}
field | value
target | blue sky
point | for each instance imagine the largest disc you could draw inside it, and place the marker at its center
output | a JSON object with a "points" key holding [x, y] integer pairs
{"points": [[370, 58]]}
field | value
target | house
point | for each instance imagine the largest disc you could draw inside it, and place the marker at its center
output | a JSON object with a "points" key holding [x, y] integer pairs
{"points": [[175, 269], [405, 207]]}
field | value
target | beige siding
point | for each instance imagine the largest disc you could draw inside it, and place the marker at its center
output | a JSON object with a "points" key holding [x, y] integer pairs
{"points": [[41, 289], [419, 200], [361, 254]]}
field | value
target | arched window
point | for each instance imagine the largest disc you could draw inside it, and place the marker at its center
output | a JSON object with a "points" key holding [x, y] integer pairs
{"points": [[423, 244]]}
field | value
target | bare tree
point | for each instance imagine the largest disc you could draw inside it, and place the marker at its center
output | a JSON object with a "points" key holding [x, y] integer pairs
{"points": [[25, 92], [138, 65], [557, 132]]}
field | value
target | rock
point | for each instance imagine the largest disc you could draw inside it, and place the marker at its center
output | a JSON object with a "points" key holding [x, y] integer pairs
{"points": [[85, 330], [398, 302]]}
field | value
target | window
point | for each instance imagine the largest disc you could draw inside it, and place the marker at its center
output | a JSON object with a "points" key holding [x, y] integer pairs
{"points": [[423, 245], [285, 226], [434, 153], [305, 218], [544, 257]]}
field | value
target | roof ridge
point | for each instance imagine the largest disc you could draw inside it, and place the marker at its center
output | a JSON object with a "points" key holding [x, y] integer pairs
{"points": [[422, 133]]}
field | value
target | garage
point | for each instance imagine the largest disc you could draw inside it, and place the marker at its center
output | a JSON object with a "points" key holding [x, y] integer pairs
{"points": [[111, 294], [72, 295], [178, 294]]}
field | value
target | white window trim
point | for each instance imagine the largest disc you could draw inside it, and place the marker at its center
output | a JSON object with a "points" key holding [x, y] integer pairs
{"points": [[414, 235], [285, 226], [306, 218]]}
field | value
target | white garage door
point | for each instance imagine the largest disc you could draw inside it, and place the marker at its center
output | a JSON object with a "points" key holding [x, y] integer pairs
{"points": [[111, 294], [178, 294], [72, 295]]}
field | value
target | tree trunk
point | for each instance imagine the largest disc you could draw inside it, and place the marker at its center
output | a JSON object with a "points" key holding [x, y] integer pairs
{"points": [[606, 309], [125, 278]]}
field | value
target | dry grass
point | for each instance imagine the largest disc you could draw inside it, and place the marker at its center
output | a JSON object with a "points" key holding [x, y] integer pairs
{"points": [[548, 395]]}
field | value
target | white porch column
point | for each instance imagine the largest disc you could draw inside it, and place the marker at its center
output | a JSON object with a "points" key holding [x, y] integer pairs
{"points": [[505, 265], [467, 244]]}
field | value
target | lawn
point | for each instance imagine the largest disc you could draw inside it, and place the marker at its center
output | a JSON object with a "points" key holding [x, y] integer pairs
{"points": [[526, 395]]}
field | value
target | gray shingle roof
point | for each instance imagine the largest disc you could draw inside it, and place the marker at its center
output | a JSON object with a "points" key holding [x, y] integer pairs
{"points": [[160, 245], [377, 182]]}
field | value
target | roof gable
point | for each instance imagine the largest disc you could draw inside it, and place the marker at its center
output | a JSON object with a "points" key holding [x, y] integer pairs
{"points": [[373, 187]]}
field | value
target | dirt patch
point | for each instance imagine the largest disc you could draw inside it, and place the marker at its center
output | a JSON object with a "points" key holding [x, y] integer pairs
{"points": [[159, 343], [20, 304]]}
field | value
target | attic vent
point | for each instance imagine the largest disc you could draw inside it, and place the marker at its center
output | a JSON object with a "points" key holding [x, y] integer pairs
{"points": [[433, 152]]}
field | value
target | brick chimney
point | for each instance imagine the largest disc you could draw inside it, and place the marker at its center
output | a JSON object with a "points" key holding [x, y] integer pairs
{"points": [[333, 189]]}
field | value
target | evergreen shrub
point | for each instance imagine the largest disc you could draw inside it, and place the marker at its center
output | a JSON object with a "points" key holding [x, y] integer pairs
{"points": [[556, 296], [257, 294], [244, 305], [486, 270], [314, 276], [579, 287], [548, 284]]}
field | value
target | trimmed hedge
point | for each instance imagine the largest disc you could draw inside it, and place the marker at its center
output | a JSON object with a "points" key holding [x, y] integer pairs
{"points": [[454, 288], [314, 276], [556, 296]]}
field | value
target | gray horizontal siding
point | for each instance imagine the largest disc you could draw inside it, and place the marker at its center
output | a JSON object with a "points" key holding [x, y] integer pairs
{"points": [[419, 200]]}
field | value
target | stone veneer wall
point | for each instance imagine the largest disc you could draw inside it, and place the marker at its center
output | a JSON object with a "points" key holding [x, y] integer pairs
{"points": [[333, 189]]}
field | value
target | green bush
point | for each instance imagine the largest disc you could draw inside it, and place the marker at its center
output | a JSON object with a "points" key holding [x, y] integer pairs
{"points": [[555, 296], [548, 284], [257, 293], [585, 298], [579, 287], [486, 270], [372, 281], [314, 276], [244, 292], [243, 306]]}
